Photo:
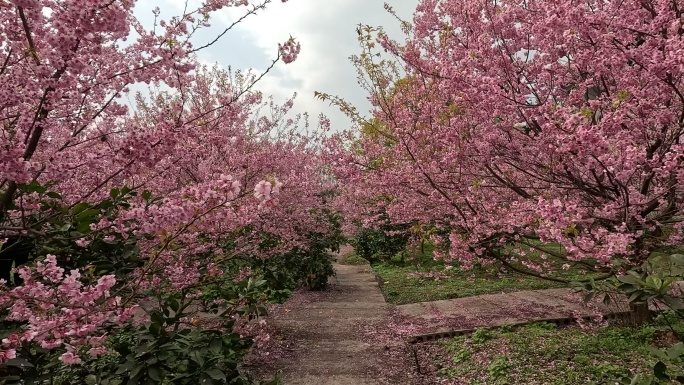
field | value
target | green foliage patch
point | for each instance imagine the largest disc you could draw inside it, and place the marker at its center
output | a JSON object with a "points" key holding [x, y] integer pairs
{"points": [[542, 354], [401, 287], [380, 245]]}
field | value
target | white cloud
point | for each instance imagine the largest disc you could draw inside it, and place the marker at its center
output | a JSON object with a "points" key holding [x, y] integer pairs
{"points": [[326, 30]]}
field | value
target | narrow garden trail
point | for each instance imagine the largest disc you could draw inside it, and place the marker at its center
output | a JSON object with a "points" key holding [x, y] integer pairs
{"points": [[320, 333]]}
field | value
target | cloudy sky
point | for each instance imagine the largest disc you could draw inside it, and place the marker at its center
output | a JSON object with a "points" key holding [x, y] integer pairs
{"points": [[326, 30]]}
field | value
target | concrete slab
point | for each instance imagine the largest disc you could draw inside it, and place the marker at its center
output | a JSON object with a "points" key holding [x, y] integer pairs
{"points": [[499, 309]]}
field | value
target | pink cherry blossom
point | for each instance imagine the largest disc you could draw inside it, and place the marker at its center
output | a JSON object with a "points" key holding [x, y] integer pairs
{"points": [[70, 358], [289, 50], [518, 122], [7, 355]]}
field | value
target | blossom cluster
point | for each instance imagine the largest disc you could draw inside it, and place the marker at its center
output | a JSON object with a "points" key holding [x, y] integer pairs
{"points": [[289, 50], [61, 311]]}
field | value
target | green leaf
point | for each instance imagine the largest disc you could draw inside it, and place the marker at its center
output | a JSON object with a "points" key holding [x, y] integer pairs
{"points": [[144, 349], [174, 305], [635, 296], [205, 379], [146, 195], [676, 350], [654, 282], [87, 215], [90, 379], [157, 317], [20, 362], [676, 259], [155, 329], [54, 195], [630, 279], [659, 371], [657, 352], [216, 374], [80, 207], [33, 187], [197, 357], [114, 193], [128, 365], [154, 373], [83, 227], [135, 371], [606, 300], [216, 345]]}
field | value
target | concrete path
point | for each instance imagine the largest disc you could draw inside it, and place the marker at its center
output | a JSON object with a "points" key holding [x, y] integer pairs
{"points": [[502, 309], [322, 332]]}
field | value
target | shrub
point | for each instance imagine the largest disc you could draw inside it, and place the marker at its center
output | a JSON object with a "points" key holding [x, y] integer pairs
{"points": [[378, 245]]}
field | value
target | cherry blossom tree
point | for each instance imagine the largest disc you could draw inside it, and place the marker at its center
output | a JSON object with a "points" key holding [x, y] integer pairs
{"points": [[526, 123], [138, 201]]}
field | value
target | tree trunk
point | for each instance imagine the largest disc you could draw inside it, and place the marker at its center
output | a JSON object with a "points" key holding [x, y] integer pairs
{"points": [[639, 314]]}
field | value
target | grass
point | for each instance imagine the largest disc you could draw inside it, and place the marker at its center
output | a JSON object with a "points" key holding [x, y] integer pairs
{"points": [[416, 277], [409, 284], [542, 354]]}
